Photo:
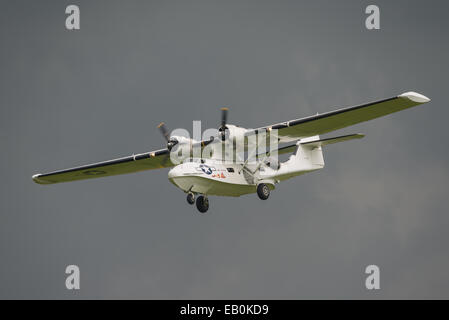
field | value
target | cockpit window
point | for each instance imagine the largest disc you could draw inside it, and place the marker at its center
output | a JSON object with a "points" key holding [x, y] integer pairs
{"points": [[230, 169]]}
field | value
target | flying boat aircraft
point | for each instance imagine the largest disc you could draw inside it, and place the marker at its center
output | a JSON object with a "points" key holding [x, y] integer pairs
{"points": [[237, 161]]}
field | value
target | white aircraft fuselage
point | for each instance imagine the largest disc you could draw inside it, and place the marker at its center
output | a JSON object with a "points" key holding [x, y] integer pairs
{"points": [[217, 177]]}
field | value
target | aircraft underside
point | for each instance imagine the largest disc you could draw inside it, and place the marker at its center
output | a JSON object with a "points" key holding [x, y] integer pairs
{"points": [[201, 178]]}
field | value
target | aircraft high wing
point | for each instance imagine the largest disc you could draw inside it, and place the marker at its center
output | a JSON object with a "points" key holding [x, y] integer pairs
{"points": [[288, 131], [139, 162], [330, 121]]}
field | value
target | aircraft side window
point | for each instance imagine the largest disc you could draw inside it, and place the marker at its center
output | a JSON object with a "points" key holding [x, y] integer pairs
{"points": [[230, 169]]}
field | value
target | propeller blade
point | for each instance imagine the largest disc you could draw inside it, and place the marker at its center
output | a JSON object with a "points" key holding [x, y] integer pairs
{"points": [[224, 117], [163, 128]]}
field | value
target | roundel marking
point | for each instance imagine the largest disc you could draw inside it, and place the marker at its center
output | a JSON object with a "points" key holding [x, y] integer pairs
{"points": [[94, 172], [206, 169]]}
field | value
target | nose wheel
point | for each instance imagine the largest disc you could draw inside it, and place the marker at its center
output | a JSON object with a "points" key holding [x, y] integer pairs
{"points": [[202, 204], [190, 198]]}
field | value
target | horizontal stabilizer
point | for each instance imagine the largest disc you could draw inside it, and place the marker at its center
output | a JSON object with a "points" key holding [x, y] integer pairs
{"points": [[319, 142], [326, 141]]}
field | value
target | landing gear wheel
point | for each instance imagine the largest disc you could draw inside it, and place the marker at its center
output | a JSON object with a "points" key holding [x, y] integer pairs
{"points": [[190, 198], [263, 191], [202, 204]]}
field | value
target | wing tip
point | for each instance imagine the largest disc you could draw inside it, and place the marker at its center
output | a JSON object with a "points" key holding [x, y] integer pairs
{"points": [[39, 181], [415, 97]]}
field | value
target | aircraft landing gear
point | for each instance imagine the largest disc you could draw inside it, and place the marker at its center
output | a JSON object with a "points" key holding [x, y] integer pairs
{"points": [[202, 204], [263, 191], [190, 198]]}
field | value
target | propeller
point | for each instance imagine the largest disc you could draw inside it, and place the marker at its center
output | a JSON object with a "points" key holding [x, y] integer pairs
{"points": [[171, 142], [224, 118]]}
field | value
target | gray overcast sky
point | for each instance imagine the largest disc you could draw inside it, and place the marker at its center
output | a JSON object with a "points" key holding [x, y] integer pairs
{"points": [[75, 97]]}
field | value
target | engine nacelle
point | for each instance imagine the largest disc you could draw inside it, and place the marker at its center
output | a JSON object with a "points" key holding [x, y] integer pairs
{"points": [[235, 132], [182, 150]]}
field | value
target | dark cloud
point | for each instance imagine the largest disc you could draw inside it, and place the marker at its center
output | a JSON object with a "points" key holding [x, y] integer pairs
{"points": [[70, 98]]}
